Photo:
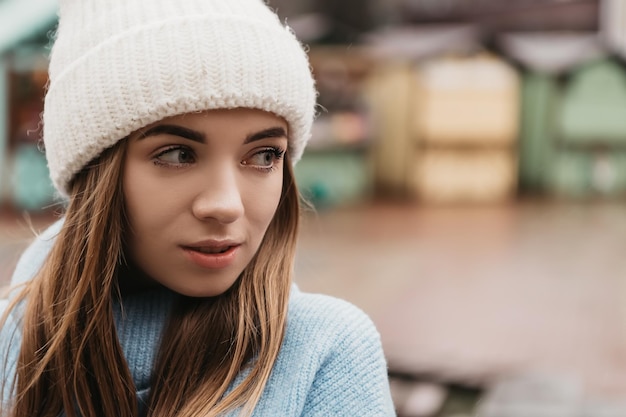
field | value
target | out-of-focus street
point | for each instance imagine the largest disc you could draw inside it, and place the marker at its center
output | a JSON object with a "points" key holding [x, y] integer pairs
{"points": [[474, 295]]}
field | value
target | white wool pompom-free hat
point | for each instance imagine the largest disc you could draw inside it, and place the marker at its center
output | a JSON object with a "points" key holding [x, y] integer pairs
{"points": [[119, 65]]}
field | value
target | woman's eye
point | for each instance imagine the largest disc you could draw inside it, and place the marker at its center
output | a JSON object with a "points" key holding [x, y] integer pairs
{"points": [[175, 156], [265, 158]]}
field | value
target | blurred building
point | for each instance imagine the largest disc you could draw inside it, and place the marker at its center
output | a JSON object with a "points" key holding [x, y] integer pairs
{"points": [[427, 100], [24, 41]]}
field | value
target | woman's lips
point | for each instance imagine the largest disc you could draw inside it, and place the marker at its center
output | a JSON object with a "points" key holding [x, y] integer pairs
{"points": [[200, 257]]}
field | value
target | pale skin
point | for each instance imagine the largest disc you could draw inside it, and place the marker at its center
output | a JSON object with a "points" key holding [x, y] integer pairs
{"points": [[201, 190]]}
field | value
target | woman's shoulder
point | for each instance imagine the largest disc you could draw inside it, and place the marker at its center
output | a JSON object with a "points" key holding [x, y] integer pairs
{"points": [[27, 267], [331, 362], [34, 256], [329, 325], [327, 313]]}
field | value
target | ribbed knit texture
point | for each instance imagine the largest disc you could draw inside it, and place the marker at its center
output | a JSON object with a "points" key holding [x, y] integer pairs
{"points": [[119, 65], [331, 363]]}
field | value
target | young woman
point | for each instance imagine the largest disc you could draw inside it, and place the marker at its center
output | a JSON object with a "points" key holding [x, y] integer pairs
{"points": [[171, 126]]}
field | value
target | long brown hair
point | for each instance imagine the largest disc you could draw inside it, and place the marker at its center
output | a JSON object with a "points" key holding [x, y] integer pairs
{"points": [[70, 359]]}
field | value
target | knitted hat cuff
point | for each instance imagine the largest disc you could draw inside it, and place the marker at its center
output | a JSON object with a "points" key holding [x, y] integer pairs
{"points": [[171, 67]]}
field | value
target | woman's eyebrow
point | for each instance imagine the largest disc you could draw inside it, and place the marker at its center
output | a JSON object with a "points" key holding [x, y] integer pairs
{"points": [[175, 130], [273, 132]]}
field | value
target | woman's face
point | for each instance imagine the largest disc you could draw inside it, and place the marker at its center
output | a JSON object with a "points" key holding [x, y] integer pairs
{"points": [[200, 191]]}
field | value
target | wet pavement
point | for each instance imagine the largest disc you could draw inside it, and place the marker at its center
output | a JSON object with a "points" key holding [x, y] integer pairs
{"points": [[482, 296]]}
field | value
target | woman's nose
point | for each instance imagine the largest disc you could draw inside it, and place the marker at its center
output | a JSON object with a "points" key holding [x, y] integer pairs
{"points": [[219, 198]]}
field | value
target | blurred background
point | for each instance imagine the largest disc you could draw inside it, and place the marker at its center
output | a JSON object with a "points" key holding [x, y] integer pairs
{"points": [[468, 173]]}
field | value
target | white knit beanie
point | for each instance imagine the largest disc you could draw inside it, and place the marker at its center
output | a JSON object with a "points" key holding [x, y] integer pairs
{"points": [[119, 65]]}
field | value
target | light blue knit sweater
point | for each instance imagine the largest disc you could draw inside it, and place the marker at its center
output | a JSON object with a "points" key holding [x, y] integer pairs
{"points": [[331, 362]]}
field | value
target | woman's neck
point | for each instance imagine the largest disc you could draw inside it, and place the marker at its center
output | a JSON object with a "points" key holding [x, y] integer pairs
{"points": [[131, 280]]}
